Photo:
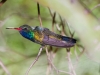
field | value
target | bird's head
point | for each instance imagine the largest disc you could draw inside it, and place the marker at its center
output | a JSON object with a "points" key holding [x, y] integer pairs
{"points": [[25, 30]]}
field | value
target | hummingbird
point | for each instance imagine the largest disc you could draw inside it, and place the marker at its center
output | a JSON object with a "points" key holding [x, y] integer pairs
{"points": [[44, 36]]}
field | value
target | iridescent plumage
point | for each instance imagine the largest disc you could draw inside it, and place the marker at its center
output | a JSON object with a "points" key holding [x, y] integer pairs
{"points": [[44, 36]]}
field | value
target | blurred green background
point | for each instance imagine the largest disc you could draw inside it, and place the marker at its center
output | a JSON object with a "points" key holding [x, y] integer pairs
{"points": [[17, 53]]}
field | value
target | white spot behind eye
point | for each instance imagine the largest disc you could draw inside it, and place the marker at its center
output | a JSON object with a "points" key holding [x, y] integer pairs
{"points": [[25, 28], [33, 28]]}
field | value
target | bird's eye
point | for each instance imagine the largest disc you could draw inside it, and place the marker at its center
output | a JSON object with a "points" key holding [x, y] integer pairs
{"points": [[25, 28]]}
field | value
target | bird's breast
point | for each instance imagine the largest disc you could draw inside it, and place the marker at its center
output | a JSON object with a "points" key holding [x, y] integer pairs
{"points": [[38, 37]]}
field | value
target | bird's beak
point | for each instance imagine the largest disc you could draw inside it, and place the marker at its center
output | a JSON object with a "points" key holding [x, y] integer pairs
{"points": [[14, 28]]}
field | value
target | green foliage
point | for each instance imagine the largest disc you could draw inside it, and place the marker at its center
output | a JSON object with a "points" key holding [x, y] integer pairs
{"points": [[17, 53]]}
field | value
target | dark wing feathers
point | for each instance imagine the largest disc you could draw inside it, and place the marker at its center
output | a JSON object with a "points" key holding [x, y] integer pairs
{"points": [[46, 31], [63, 38], [68, 39]]}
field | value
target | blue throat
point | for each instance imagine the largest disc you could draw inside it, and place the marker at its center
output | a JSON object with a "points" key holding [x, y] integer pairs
{"points": [[28, 35]]}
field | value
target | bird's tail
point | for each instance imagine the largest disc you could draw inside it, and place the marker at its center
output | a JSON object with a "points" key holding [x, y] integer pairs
{"points": [[68, 39]]}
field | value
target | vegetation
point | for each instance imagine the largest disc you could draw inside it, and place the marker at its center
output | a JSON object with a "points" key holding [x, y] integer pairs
{"points": [[79, 16]]}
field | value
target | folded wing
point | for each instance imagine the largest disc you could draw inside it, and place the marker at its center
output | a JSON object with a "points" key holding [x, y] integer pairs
{"points": [[51, 38]]}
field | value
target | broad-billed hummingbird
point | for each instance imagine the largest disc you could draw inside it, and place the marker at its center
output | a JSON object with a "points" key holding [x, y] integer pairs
{"points": [[44, 36]]}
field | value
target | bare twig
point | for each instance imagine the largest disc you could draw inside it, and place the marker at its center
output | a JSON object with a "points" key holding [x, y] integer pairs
{"points": [[87, 10], [63, 26], [95, 7], [76, 53], [51, 62], [39, 53], [53, 15], [71, 68], [49, 68], [54, 65], [83, 49], [4, 68], [38, 7], [53, 21], [50, 12]]}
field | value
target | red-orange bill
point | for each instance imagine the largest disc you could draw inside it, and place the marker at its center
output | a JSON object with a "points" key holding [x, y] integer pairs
{"points": [[13, 28]]}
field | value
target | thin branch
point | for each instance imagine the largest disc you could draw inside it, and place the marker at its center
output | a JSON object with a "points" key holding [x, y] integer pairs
{"points": [[83, 49], [51, 61], [54, 65], [76, 53], [49, 68], [50, 12], [4, 68], [53, 15], [38, 7], [95, 7], [53, 21], [71, 68], [39, 53], [63, 26], [87, 10]]}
